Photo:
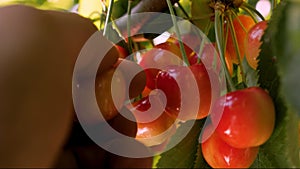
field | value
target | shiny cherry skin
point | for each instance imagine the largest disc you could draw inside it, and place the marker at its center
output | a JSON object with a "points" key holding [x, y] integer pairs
{"points": [[157, 58], [208, 54], [241, 35], [218, 154], [105, 85], [166, 81], [253, 42], [136, 84], [191, 45], [123, 53], [162, 55], [248, 117], [154, 125]]}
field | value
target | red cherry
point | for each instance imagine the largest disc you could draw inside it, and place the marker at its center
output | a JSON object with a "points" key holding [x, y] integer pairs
{"points": [[136, 84], [154, 124], [218, 154], [167, 82], [165, 54], [253, 43], [123, 53], [248, 118], [241, 34], [191, 45], [209, 57], [156, 59], [105, 85]]}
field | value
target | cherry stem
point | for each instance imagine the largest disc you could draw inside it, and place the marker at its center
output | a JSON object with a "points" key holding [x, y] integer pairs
{"points": [[102, 15], [208, 26], [183, 10], [236, 46], [250, 13], [129, 26], [248, 8], [238, 19], [220, 45], [109, 12], [226, 36], [174, 20]]}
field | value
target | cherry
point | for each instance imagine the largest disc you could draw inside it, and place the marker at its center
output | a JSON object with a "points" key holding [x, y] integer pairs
{"points": [[248, 118], [158, 58], [135, 84], [218, 154], [124, 125], [191, 45], [164, 54], [208, 55], [167, 82], [241, 34], [105, 85], [123, 53], [170, 45], [154, 124], [253, 43]]}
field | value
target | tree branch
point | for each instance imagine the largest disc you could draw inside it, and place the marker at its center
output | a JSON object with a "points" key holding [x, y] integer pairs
{"points": [[137, 22]]}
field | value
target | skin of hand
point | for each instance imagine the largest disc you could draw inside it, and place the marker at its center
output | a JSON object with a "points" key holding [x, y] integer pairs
{"points": [[38, 50]]}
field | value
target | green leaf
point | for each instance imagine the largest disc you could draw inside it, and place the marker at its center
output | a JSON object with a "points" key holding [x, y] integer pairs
{"points": [[289, 52], [201, 14], [250, 74], [200, 161], [183, 155], [282, 149], [120, 7]]}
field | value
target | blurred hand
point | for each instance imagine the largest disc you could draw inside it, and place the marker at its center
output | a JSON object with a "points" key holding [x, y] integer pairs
{"points": [[38, 50]]}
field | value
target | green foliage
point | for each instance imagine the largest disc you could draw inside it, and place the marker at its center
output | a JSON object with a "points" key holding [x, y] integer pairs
{"points": [[183, 155], [201, 14], [120, 7], [200, 162], [277, 73], [288, 53], [282, 148], [250, 74]]}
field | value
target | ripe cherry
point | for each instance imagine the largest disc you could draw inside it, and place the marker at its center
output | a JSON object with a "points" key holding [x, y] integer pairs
{"points": [[191, 45], [134, 76], [253, 43], [248, 118], [156, 59], [218, 154], [123, 53], [154, 124], [105, 85], [209, 57], [167, 82], [241, 33], [165, 54]]}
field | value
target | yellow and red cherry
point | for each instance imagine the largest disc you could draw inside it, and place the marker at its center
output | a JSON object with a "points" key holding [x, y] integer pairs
{"points": [[106, 87], [248, 118], [218, 154], [154, 60], [242, 25], [154, 124], [135, 84], [167, 82]]}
